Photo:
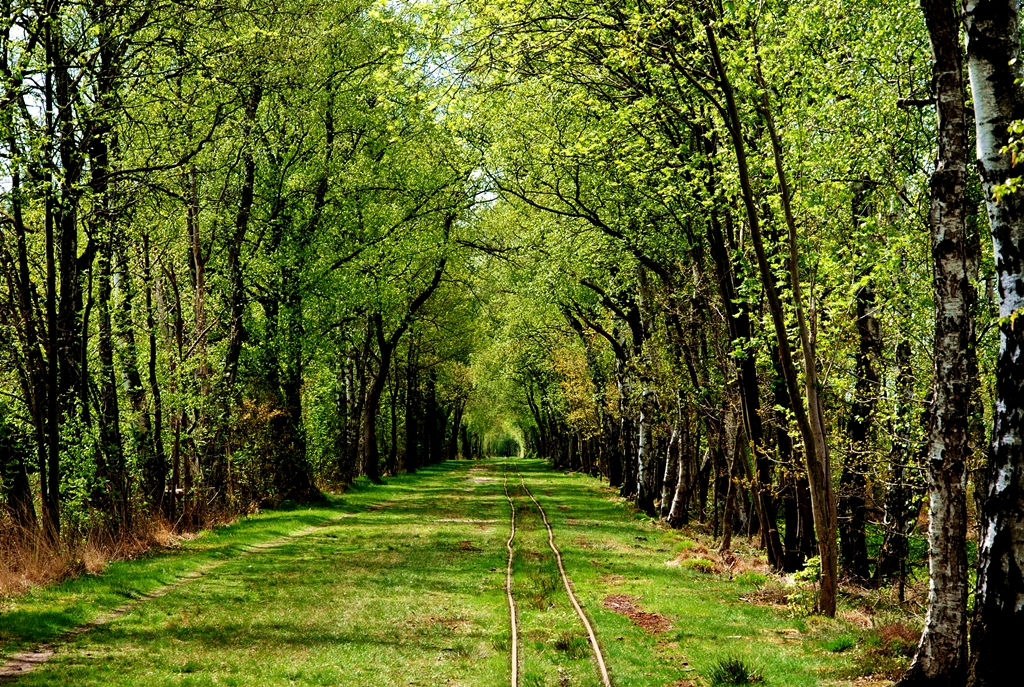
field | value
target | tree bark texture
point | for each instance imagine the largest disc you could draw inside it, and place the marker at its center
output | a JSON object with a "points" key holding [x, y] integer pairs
{"points": [[993, 60], [942, 653]]}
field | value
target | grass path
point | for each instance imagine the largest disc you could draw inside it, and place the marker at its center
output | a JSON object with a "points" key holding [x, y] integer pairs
{"points": [[22, 662], [406, 584], [595, 645], [513, 614]]}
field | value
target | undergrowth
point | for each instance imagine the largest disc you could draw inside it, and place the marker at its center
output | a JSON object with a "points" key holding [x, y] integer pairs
{"points": [[29, 558]]}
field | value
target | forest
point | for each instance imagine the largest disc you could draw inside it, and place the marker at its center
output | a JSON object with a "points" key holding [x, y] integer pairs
{"points": [[755, 265]]}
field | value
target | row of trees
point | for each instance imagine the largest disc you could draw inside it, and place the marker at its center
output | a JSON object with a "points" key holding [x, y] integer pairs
{"points": [[231, 247], [736, 284], [728, 255]]}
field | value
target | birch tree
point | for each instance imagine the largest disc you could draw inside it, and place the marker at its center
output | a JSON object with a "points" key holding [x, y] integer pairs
{"points": [[996, 74], [942, 654]]}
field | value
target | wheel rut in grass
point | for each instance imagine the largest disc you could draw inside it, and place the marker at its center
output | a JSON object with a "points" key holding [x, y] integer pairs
{"points": [[25, 661], [595, 646]]}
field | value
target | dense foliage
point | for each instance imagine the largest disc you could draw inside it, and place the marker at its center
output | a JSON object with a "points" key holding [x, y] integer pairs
{"points": [[253, 249]]}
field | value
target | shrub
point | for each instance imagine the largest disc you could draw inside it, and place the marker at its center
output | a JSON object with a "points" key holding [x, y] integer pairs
{"points": [[887, 650], [752, 578], [898, 639], [685, 545], [699, 564], [811, 571]]}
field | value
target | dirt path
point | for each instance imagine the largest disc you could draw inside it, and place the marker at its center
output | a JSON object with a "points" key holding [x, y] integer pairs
{"points": [[568, 586], [508, 581]]}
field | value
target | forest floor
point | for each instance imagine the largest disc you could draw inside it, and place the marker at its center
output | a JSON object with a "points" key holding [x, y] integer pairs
{"points": [[404, 584]]}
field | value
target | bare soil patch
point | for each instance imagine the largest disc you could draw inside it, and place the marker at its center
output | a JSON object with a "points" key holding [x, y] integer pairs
{"points": [[655, 623]]}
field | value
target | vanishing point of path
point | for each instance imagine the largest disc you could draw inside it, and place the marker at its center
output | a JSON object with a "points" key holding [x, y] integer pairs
{"points": [[403, 584]]}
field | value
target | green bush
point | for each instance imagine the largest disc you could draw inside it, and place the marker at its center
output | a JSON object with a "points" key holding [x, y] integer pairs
{"points": [[750, 577], [685, 545], [699, 564], [811, 571]]}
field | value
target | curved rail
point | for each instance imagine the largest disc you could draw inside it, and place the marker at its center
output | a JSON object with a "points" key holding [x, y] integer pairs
{"points": [[568, 587], [508, 582]]}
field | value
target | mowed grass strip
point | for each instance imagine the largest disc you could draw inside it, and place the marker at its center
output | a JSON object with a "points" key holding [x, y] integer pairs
{"points": [[408, 589], [607, 551]]}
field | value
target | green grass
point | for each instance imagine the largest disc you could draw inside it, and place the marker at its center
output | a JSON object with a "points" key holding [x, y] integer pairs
{"points": [[840, 644], [411, 593], [732, 671]]}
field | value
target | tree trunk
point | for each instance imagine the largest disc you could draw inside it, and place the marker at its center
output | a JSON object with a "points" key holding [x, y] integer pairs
{"points": [[899, 519], [112, 487], [392, 460], [36, 376], [678, 514], [809, 418], [646, 462], [733, 454], [853, 480], [411, 411], [236, 291], [993, 58], [295, 479], [141, 427], [738, 321], [50, 470], [371, 452], [671, 477], [453, 439], [154, 473], [942, 654]]}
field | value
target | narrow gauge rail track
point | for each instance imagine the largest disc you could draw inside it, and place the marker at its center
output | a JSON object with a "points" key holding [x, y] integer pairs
{"points": [[508, 580], [568, 585]]}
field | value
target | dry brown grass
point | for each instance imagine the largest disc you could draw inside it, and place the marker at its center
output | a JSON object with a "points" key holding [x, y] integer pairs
{"points": [[743, 557], [28, 558]]}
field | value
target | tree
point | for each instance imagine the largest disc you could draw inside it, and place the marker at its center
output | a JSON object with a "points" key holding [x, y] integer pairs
{"points": [[993, 62], [942, 653]]}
